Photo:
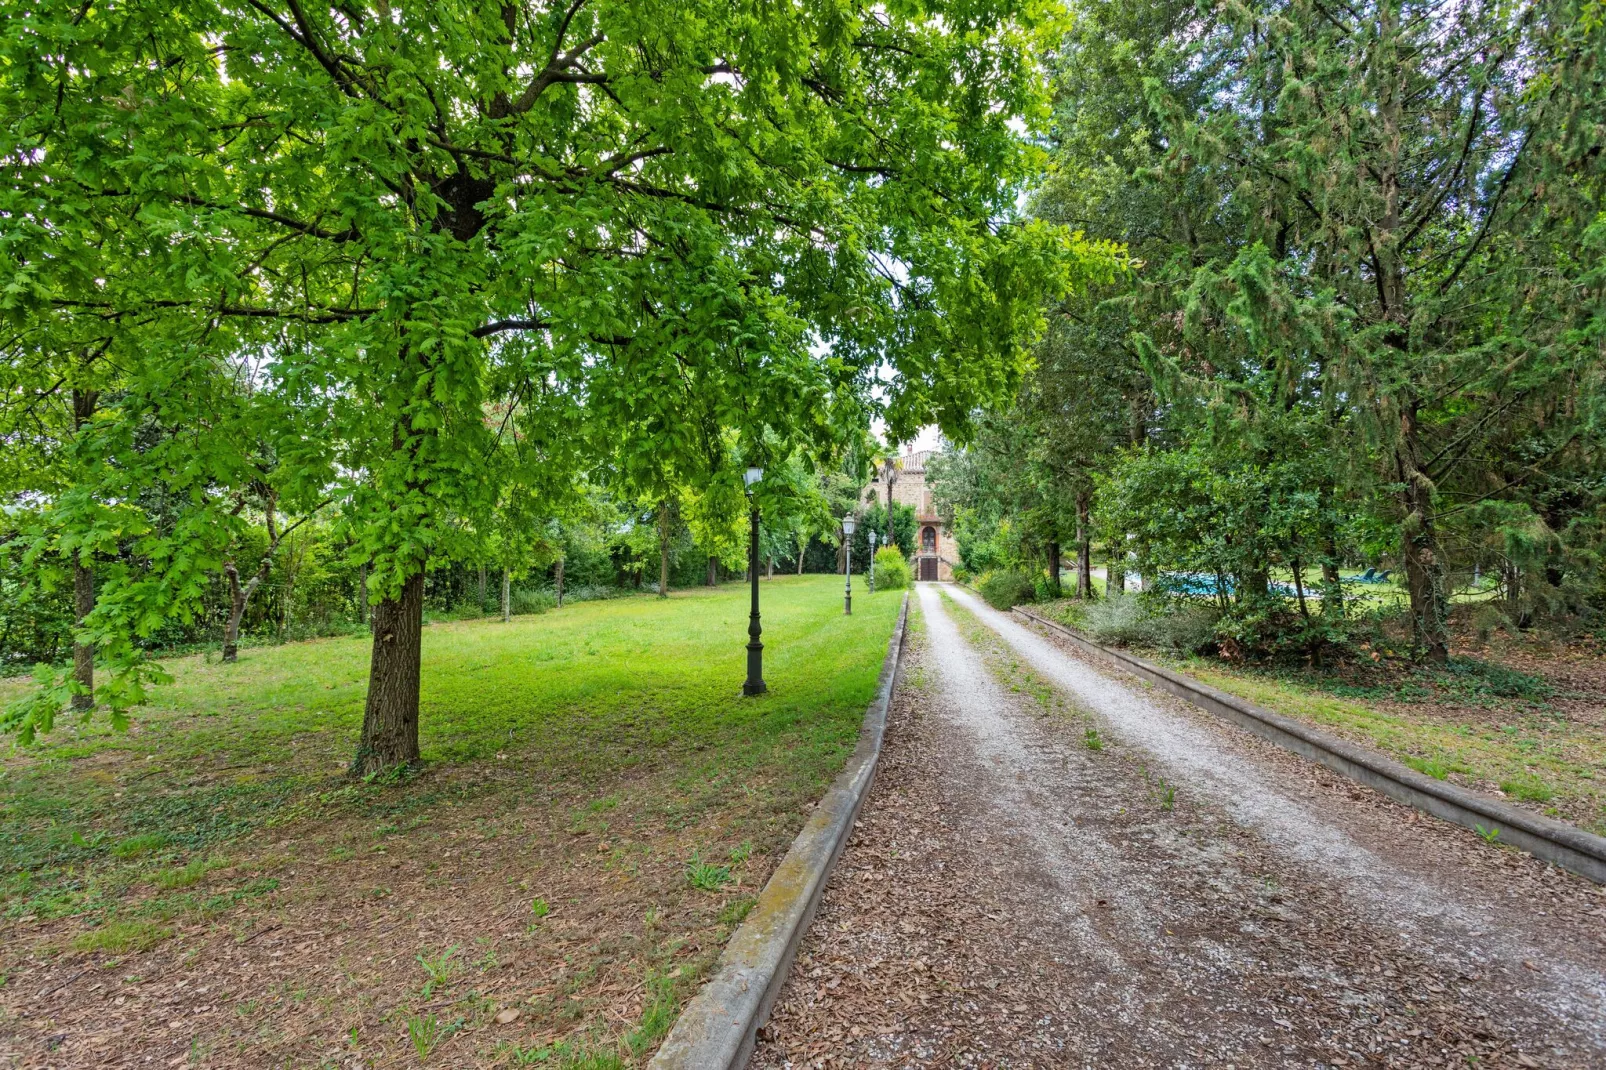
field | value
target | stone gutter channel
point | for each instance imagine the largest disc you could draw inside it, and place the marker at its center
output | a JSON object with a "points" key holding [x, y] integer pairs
{"points": [[1555, 842], [718, 1027]]}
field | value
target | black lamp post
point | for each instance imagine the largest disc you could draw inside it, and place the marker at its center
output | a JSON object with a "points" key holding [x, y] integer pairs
{"points": [[848, 524], [754, 685]]}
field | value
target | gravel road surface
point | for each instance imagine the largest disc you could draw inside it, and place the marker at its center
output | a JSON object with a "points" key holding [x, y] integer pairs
{"points": [[1059, 866]]}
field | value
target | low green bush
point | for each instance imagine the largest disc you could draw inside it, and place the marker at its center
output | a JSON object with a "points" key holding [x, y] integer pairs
{"points": [[1129, 620], [892, 571], [961, 575], [532, 600], [1003, 588]]}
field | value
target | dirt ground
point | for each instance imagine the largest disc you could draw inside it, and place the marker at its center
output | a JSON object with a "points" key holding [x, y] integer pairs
{"points": [[405, 946], [1057, 867]]}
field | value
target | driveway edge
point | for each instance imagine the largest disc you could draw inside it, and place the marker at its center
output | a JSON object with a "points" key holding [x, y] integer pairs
{"points": [[1552, 841], [717, 1029]]}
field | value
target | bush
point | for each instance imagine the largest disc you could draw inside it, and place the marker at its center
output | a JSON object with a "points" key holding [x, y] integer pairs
{"points": [[532, 600], [1004, 588], [961, 575], [891, 569], [1181, 628]]}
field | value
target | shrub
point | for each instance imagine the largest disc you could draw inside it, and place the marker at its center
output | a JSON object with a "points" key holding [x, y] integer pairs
{"points": [[1004, 588], [891, 569], [532, 600], [961, 575], [1182, 628]]}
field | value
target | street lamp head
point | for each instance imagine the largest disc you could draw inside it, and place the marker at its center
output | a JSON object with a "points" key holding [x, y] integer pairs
{"points": [[872, 540], [752, 475], [848, 525]]}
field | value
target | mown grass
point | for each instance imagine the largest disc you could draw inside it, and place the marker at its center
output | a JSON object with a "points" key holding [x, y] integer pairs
{"points": [[90, 817]]}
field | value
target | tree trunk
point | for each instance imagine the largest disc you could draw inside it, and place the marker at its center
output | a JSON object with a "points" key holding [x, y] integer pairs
{"points": [[1054, 568], [663, 549], [482, 590], [231, 627], [507, 595], [83, 654], [770, 572], [362, 593], [1084, 545], [801, 550], [239, 596], [558, 578], [390, 719], [713, 571], [83, 576], [1332, 582], [1115, 573], [1419, 547]]}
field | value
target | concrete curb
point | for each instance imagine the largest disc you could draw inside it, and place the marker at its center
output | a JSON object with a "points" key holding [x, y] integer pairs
{"points": [[1552, 841], [717, 1029]]}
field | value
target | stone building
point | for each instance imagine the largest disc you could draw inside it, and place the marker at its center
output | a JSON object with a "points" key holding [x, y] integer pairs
{"points": [[935, 553]]}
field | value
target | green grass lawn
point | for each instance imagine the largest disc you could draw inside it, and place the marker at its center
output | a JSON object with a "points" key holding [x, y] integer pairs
{"points": [[591, 749], [1526, 749]]}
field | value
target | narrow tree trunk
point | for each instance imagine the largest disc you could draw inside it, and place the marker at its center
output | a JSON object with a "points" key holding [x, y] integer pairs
{"points": [[558, 578], [1419, 547], [83, 654], [713, 572], [83, 576], [237, 600], [663, 549], [1332, 582], [390, 719], [801, 550], [770, 572], [1054, 568], [507, 595], [1084, 545], [1115, 572], [482, 590], [362, 593]]}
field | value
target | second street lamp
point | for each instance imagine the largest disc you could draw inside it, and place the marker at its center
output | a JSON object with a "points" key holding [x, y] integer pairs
{"points": [[872, 561], [848, 525], [754, 684]]}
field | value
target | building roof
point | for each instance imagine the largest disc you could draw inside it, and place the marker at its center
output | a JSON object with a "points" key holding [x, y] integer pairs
{"points": [[909, 464]]}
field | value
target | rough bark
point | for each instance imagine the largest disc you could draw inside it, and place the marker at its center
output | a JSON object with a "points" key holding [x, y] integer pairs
{"points": [[507, 595], [713, 572], [1419, 546], [390, 719]]}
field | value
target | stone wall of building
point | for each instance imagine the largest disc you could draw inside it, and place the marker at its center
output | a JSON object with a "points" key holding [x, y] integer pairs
{"points": [[934, 549]]}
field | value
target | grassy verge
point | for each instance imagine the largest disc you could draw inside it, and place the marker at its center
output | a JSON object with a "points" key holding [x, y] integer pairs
{"points": [[1508, 722], [597, 807], [1528, 751]]}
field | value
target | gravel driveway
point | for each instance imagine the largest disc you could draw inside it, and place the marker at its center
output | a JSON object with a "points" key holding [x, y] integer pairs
{"points": [[1060, 867]]}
